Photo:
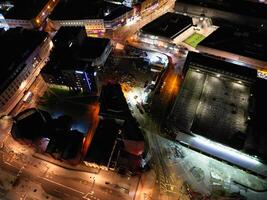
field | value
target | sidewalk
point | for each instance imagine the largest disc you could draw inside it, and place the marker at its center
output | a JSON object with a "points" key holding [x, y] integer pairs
{"points": [[79, 167], [145, 186]]}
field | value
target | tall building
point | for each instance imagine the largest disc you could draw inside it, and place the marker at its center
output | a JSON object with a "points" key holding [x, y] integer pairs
{"points": [[75, 58], [23, 53]]}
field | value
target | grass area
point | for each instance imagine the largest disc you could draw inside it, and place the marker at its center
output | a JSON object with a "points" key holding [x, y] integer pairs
{"points": [[194, 39]]}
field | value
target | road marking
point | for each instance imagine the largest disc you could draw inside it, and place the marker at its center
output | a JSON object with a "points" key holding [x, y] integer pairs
{"points": [[62, 185]]}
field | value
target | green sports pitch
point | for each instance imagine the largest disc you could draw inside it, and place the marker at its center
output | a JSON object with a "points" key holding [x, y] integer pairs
{"points": [[194, 39]]}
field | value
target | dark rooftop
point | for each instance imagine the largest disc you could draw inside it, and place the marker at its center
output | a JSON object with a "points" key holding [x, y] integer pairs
{"points": [[103, 142], [169, 25], [92, 48], [78, 9], [205, 99], [74, 50], [257, 139], [113, 102], [67, 144], [116, 12], [252, 8], [31, 124], [219, 66], [26, 9], [16, 45], [240, 41]]}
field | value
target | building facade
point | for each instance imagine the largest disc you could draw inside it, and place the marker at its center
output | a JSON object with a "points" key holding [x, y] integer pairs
{"points": [[24, 73]]}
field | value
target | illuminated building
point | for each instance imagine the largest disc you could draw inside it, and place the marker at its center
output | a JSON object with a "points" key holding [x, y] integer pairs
{"points": [[95, 16], [22, 53], [27, 13], [220, 111], [74, 60]]}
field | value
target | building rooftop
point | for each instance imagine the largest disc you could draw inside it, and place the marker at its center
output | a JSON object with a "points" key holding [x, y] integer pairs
{"points": [[26, 9], [113, 102], [102, 144], [219, 66], [74, 50], [252, 8], [92, 48], [31, 124], [116, 11], [169, 25], [78, 9], [67, 144], [239, 40], [213, 91], [16, 45]]}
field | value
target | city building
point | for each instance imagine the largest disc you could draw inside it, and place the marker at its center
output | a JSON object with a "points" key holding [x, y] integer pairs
{"points": [[166, 30], [53, 135], [74, 60], [113, 104], [122, 141], [95, 16], [213, 90], [23, 54], [242, 12], [26, 14], [31, 124], [243, 45], [116, 16], [66, 145]]}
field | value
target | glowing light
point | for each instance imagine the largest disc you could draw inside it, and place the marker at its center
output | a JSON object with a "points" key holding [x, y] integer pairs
{"points": [[87, 80], [23, 85], [79, 72], [225, 149], [218, 75]]}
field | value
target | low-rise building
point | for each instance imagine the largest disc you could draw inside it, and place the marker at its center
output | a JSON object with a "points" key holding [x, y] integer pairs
{"points": [[166, 30], [212, 90], [31, 124], [238, 44], [23, 53], [27, 13], [248, 12], [95, 16]]}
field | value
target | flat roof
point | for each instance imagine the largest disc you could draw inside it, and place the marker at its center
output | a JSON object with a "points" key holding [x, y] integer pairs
{"points": [[252, 8], [78, 9], [222, 108], [113, 102], [92, 48], [26, 9], [31, 124], [68, 144], [241, 41], [74, 50], [117, 12], [219, 66], [16, 45], [169, 25], [103, 141]]}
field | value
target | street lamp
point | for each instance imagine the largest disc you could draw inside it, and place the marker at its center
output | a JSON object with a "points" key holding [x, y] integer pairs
{"points": [[92, 192]]}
